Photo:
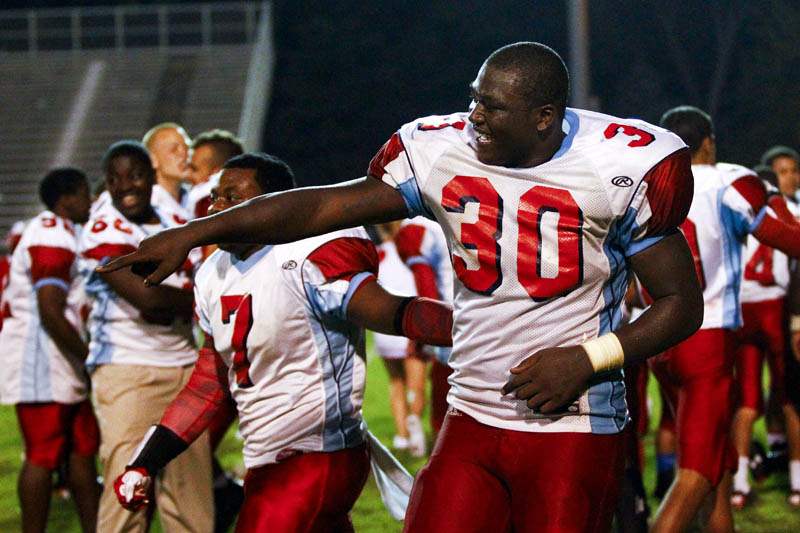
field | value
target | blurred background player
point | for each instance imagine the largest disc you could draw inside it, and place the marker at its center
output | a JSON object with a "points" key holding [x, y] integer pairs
{"points": [[141, 351], [168, 145], [42, 368], [209, 151], [11, 241], [422, 246], [763, 336], [785, 163], [729, 203], [298, 377], [405, 366]]}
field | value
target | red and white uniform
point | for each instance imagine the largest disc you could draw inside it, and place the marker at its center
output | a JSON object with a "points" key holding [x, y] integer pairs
{"points": [[539, 253], [160, 198], [421, 241], [32, 368], [297, 377], [729, 203], [396, 278], [118, 331], [765, 270], [198, 199]]}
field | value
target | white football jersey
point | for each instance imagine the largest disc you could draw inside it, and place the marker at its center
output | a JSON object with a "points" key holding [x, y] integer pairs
{"points": [[396, 278], [198, 199], [32, 368], [118, 331], [539, 254], [765, 270], [278, 319], [729, 202]]}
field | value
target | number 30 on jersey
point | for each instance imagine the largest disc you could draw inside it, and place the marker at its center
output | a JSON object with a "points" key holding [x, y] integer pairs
{"points": [[537, 205]]}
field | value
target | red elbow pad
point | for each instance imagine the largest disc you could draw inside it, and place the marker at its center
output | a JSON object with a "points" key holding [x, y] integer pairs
{"points": [[427, 321]]}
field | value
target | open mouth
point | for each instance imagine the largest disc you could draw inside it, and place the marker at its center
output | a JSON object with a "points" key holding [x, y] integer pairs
{"points": [[129, 200]]}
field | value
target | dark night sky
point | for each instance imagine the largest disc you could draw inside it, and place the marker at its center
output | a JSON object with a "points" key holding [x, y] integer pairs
{"points": [[349, 73]]}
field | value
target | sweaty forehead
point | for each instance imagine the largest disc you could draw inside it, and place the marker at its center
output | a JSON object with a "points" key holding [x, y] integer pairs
{"points": [[493, 80]]}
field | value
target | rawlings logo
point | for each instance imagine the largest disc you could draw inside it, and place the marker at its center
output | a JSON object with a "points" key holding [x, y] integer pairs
{"points": [[622, 181]]}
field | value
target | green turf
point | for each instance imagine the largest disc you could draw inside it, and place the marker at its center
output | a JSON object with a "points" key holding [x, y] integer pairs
{"points": [[769, 513]]}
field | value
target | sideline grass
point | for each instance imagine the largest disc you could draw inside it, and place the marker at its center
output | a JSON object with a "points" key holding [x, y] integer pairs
{"points": [[769, 513]]}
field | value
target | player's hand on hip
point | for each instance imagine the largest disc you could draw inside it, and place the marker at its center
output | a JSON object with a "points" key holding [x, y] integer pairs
{"points": [[133, 488], [550, 379], [158, 256]]}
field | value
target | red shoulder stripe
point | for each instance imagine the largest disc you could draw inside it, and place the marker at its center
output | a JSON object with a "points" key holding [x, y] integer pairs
{"points": [[670, 188], [388, 153], [50, 262], [345, 257], [409, 241], [753, 190], [103, 251]]}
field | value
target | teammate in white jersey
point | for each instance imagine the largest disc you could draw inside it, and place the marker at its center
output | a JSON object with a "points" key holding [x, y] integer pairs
{"points": [[546, 210], [284, 332], [763, 336], [11, 241], [141, 351], [42, 369], [729, 203], [168, 145], [405, 362], [209, 151], [423, 248]]}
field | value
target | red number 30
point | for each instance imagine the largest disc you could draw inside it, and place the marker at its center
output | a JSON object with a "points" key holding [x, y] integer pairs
{"points": [[242, 307], [484, 235]]}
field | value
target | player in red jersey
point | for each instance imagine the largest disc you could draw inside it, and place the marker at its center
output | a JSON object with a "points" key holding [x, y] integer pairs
{"points": [[297, 378], [547, 210], [730, 202]]}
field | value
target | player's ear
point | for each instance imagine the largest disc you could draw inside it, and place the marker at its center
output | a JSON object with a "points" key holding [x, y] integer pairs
{"points": [[545, 116]]}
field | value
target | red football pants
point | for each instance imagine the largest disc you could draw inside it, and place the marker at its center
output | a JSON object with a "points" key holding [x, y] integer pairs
{"points": [[763, 333], [439, 389], [308, 493], [697, 378], [481, 478], [53, 430]]}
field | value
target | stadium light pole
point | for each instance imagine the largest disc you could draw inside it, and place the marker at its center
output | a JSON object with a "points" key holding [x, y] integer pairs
{"points": [[578, 29]]}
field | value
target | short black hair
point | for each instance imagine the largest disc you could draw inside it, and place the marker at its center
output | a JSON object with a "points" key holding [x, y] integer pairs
{"points": [[272, 173], [129, 148], [224, 143], [60, 182], [777, 151], [766, 173], [690, 123], [542, 70]]}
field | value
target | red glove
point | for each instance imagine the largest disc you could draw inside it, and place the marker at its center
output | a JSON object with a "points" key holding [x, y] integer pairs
{"points": [[133, 488]]}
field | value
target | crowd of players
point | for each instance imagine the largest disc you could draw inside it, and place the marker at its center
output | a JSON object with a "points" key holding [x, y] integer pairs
{"points": [[540, 223]]}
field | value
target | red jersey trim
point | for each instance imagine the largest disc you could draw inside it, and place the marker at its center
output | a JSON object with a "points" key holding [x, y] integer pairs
{"points": [[388, 153], [753, 190], [345, 257], [670, 188], [104, 251], [51, 262], [408, 241]]}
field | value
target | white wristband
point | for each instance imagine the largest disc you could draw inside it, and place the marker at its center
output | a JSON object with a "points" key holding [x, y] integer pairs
{"points": [[794, 323], [605, 353]]}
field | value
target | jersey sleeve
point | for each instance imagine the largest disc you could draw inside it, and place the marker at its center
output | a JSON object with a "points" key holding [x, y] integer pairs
{"points": [[660, 204], [392, 165], [51, 251], [415, 247], [334, 272], [744, 204], [201, 309]]}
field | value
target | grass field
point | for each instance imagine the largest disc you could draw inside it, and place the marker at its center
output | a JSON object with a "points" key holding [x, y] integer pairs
{"points": [[769, 513]]}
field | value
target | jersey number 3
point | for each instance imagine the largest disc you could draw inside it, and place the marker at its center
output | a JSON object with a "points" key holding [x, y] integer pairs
{"points": [[547, 265], [242, 307]]}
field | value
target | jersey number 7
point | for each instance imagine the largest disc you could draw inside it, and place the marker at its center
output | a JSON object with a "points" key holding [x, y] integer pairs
{"points": [[242, 307]]}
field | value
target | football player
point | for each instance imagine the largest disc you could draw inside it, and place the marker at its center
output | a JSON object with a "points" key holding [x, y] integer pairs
{"points": [[730, 202], [763, 335], [283, 327], [546, 210], [142, 350], [42, 368], [423, 248]]}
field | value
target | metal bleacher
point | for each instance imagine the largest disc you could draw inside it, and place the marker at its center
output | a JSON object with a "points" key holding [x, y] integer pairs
{"points": [[76, 80]]}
